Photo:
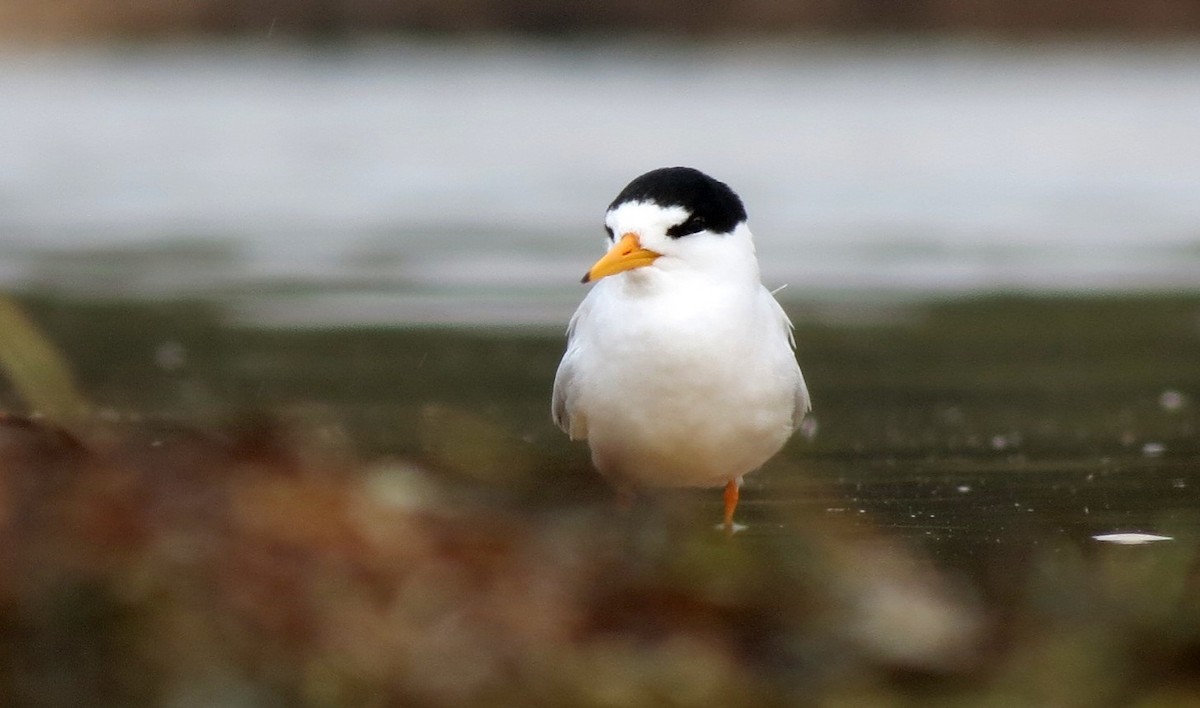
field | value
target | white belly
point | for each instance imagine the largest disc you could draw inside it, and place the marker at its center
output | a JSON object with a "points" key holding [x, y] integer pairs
{"points": [[697, 404], [676, 444]]}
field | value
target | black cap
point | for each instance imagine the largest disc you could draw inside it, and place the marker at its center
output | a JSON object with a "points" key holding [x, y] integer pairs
{"points": [[712, 205]]}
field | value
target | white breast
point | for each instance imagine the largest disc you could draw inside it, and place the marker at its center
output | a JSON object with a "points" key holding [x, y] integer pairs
{"points": [[682, 383]]}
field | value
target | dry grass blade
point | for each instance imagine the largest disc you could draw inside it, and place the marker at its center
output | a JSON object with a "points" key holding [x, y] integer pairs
{"points": [[38, 372]]}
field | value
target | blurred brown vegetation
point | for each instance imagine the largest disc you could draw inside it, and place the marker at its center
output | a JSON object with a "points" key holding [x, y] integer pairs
{"points": [[62, 19], [156, 564]]}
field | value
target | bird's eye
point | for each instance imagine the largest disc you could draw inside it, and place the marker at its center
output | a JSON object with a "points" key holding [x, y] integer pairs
{"points": [[693, 224], [609, 231]]}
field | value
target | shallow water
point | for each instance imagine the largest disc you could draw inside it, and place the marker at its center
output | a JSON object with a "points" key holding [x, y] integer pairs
{"points": [[451, 183]]}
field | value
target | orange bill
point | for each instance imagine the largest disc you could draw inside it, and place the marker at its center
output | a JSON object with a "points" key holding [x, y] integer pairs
{"points": [[624, 255]]}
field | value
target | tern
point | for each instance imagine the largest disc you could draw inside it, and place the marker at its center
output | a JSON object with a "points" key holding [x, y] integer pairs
{"points": [[680, 366]]}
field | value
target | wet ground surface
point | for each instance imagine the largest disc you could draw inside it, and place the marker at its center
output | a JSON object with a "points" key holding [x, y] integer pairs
{"points": [[962, 424], [993, 503]]}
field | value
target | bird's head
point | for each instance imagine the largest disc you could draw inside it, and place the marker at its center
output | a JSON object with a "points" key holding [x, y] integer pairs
{"points": [[674, 217]]}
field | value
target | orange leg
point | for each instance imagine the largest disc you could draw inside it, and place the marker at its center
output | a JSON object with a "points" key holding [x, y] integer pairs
{"points": [[731, 500]]}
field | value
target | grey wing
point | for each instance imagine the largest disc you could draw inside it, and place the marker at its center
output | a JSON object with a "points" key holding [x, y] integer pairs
{"points": [[562, 402], [566, 384], [803, 403]]}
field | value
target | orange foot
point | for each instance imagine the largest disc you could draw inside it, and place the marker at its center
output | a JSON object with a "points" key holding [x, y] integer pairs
{"points": [[731, 500]]}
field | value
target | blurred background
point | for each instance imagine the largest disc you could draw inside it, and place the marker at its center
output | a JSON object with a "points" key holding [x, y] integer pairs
{"points": [[399, 163], [286, 285]]}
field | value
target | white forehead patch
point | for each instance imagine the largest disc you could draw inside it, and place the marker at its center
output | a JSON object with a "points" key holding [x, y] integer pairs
{"points": [[644, 218]]}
